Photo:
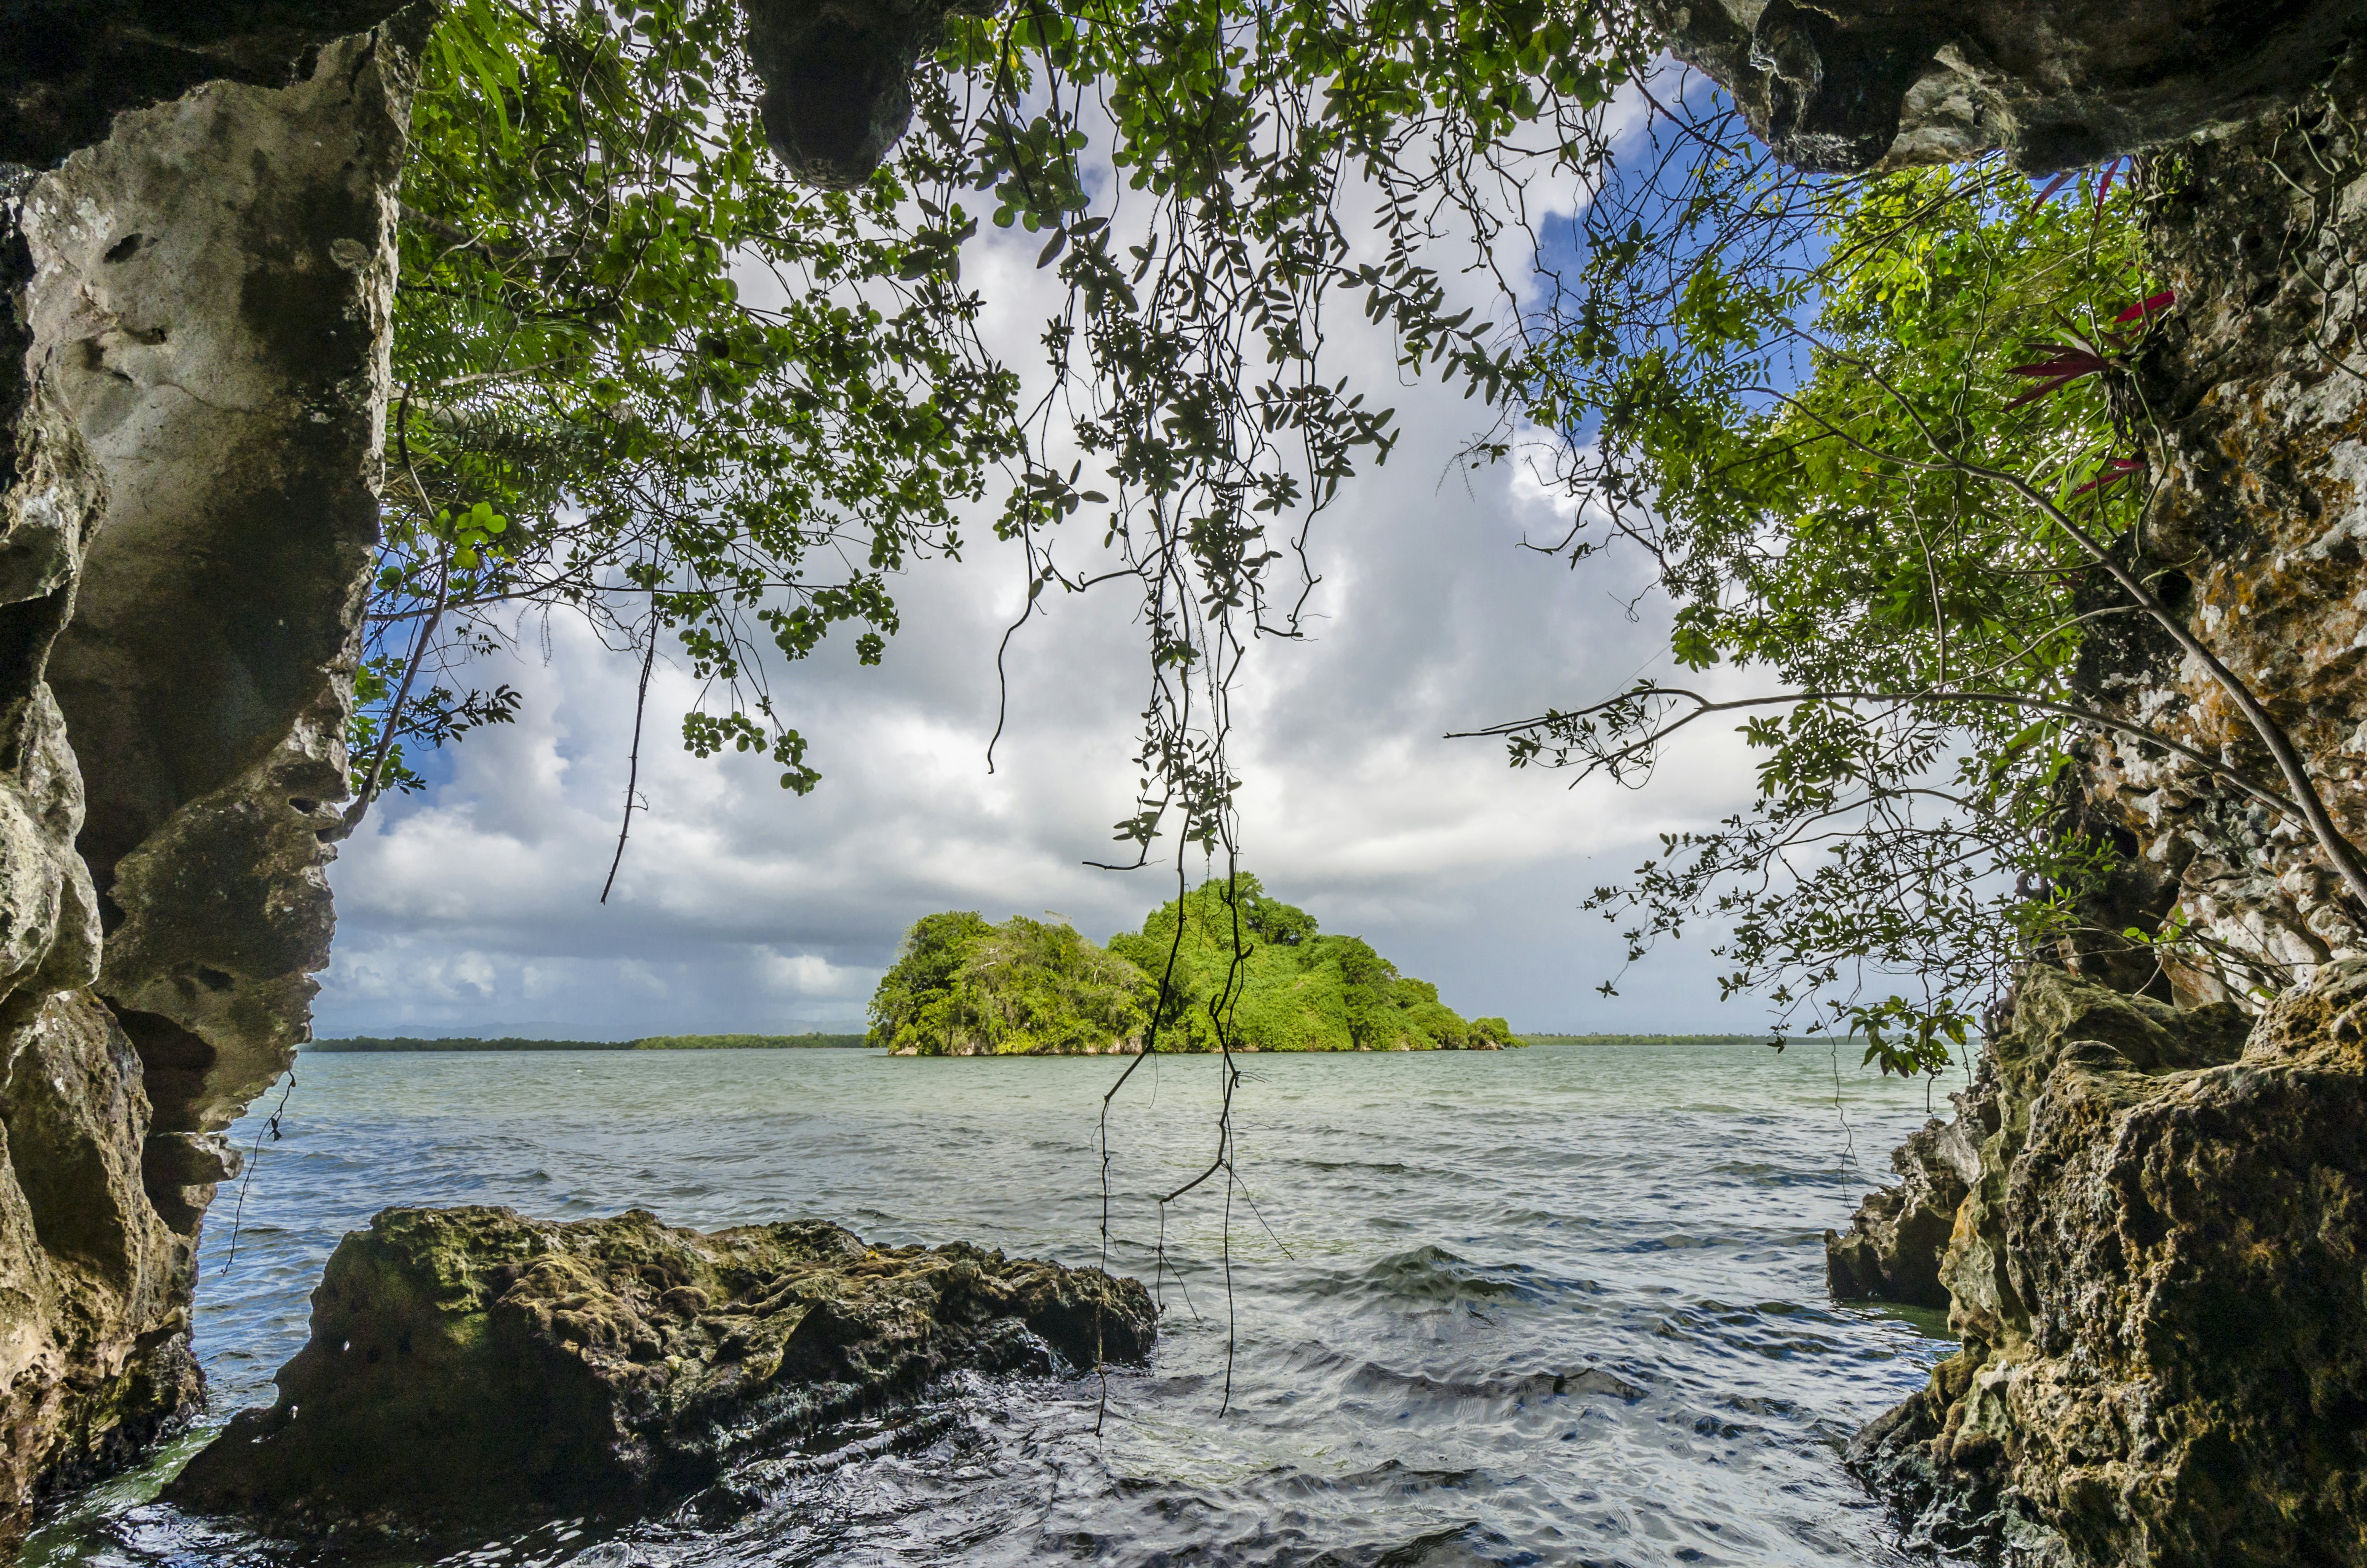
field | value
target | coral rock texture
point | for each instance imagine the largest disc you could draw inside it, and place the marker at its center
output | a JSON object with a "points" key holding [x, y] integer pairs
{"points": [[1892, 1249], [2255, 392], [1846, 86], [2158, 1282], [193, 317], [466, 1362]]}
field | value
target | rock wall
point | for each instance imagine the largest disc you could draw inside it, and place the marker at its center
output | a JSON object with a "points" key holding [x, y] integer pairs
{"points": [[2159, 1278], [193, 331], [1845, 85], [1892, 1250], [2156, 1266], [2256, 394]]}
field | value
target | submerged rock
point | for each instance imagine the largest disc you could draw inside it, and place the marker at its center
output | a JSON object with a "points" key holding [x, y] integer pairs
{"points": [[2157, 1280], [469, 1362]]}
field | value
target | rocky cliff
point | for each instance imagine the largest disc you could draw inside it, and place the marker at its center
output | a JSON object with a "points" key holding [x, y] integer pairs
{"points": [[2255, 399], [2157, 1280], [1844, 84], [195, 283], [2156, 1264]]}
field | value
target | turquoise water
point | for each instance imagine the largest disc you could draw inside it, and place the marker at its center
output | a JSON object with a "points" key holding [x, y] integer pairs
{"points": [[1555, 1306]]}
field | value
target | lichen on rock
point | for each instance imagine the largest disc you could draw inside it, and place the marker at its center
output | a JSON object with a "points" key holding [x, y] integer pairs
{"points": [[468, 1362]]}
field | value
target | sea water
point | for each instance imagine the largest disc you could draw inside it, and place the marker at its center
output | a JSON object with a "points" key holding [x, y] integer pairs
{"points": [[1561, 1305]]}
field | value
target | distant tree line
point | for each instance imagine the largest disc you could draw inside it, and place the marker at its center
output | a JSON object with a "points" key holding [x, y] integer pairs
{"points": [[647, 1042]]}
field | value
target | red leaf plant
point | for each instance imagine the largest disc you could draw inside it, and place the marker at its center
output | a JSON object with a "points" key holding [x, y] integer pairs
{"points": [[2078, 355], [2115, 470]]}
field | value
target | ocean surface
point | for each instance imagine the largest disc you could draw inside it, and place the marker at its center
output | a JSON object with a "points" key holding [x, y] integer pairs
{"points": [[1559, 1306]]}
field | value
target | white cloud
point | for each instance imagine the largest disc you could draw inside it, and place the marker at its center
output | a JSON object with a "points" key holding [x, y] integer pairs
{"points": [[475, 907]]}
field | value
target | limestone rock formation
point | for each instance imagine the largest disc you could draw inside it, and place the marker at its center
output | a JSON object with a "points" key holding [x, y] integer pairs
{"points": [[71, 65], [193, 317], [2255, 393], [466, 1362], [1898, 1234], [838, 77], [1844, 84], [2158, 1281]]}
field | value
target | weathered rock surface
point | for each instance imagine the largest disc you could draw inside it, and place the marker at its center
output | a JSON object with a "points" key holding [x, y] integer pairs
{"points": [[468, 1361], [1892, 1249], [838, 77], [1847, 84], [2160, 1279], [71, 65], [2257, 393], [192, 364]]}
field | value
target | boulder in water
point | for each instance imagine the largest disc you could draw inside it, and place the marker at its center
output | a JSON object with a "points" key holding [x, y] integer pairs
{"points": [[469, 1362]]}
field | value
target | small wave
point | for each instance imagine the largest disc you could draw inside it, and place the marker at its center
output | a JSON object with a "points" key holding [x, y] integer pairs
{"points": [[1429, 1274], [1527, 1388], [1391, 1478]]}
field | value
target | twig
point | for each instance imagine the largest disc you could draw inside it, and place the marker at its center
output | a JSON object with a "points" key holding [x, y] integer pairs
{"points": [[633, 770], [246, 1178]]}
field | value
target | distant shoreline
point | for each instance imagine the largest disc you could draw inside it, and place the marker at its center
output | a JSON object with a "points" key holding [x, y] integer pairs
{"points": [[1760, 1039], [367, 1044]]}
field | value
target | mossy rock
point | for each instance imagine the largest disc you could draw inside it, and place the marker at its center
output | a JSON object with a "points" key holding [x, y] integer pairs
{"points": [[469, 1362]]}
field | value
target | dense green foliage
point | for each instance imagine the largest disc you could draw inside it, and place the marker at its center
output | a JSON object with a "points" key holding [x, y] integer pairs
{"points": [[961, 986], [1260, 972], [650, 1043], [643, 378], [1858, 494]]}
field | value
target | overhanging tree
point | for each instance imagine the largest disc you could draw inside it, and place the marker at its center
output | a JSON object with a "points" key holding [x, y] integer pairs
{"points": [[1801, 395]]}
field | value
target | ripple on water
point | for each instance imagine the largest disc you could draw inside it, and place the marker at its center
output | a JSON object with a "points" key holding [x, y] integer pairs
{"points": [[1559, 1306]]}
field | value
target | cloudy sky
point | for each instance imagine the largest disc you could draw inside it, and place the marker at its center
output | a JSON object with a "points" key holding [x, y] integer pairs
{"points": [[473, 908]]}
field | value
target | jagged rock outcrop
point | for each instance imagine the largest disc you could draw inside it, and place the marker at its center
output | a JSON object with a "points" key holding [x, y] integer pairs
{"points": [[1892, 1250], [193, 317], [71, 65], [1844, 84], [468, 1362], [2254, 397], [2158, 1282]]}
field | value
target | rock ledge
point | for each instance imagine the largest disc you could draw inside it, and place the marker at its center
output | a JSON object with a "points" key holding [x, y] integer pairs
{"points": [[469, 1362]]}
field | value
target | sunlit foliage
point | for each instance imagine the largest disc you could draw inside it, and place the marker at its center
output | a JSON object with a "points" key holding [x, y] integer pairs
{"points": [[962, 986]]}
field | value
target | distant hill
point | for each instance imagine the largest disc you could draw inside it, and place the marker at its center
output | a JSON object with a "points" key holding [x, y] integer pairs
{"points": [[647, 1042], [962, 986]]}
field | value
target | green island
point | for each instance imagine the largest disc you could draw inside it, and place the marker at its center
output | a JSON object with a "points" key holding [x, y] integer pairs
{"points": [[963, 987], [646, 1043]]}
